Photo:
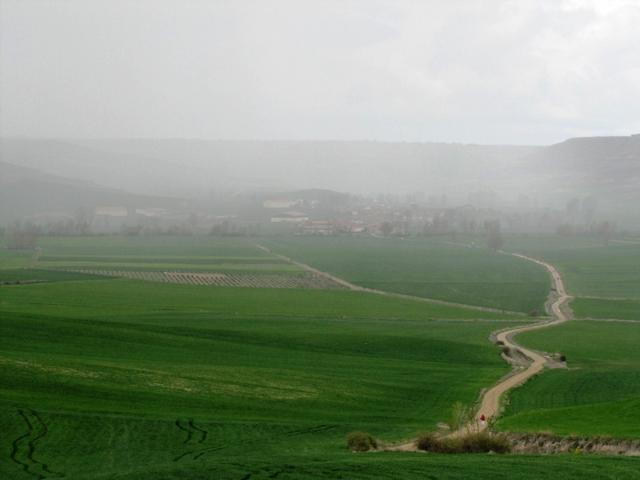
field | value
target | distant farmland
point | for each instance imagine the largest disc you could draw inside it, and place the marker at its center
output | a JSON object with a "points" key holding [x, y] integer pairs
{"points": [[426, 268], [131, 379], [605, 279]]}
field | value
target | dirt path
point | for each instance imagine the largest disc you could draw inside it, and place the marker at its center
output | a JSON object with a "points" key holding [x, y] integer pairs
{"points": [[490, 403], [557, 307], [358, 288]]}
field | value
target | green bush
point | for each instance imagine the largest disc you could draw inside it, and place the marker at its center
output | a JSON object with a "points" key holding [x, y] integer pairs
{"points": [[484, 442], [428, 442], [361, 442]]}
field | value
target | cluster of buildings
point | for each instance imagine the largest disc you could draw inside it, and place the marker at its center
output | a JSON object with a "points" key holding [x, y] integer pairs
{"points": [[311, 212]]}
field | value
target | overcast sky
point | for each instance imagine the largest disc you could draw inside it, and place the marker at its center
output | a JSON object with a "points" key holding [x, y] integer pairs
{"points": [[523, 71]]}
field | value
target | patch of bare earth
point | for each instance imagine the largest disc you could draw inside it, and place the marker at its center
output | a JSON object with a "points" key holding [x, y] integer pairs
{"points": [[545, 443]]}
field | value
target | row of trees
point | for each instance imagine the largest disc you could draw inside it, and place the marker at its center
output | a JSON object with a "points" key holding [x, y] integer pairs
{"points": [[21, 236], [604, 230]]}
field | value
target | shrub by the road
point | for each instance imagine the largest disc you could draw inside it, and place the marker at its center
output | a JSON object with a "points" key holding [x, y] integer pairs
{"points": [[361, 442], [470, 443]]}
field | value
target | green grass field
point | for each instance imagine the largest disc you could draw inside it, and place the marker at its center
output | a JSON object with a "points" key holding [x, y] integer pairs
{"points": [[426, 268], [28, 275], [120, 362], [121, 379], [606, 308], [14, 259], [607, 274], [170, 253], [600, 392], [152, 246]]}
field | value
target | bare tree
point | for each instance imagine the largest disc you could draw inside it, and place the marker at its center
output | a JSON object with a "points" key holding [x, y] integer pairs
{"points": [[461, 417], [604, 230], [495, 241], [589, 207], [386, 228], [21, 237]]}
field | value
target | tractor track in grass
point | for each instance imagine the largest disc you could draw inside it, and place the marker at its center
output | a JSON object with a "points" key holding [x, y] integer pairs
{"points": [[23, 448], [357, 288], [192, 431], [195, 436], [557, 307], [303, 431]]}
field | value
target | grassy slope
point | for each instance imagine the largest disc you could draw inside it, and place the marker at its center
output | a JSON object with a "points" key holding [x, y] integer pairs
{"points": [[111, 365], [151, 246], [14, 258], [160, 253], [101, 298], [11, 275], [598, 395], [425, 268], [276, 378], [276, 385], [604, 308]]}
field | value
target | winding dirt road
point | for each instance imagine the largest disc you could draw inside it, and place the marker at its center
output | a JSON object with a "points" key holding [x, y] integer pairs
{"points": [[490, 404], [557, 307]]}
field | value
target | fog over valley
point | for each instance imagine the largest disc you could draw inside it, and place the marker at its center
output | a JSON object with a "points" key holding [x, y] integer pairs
{"points": [[210, 174]]}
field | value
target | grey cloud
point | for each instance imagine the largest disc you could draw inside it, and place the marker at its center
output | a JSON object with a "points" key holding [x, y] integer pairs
{"points": [[521, 71]]}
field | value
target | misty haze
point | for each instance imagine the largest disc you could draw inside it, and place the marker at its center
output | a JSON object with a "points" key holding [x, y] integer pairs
{"points": [[250, 239]]}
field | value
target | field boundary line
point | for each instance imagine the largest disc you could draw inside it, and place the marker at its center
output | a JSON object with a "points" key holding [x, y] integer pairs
{"points": [[612, 320], [593, 297], [357, 288]]}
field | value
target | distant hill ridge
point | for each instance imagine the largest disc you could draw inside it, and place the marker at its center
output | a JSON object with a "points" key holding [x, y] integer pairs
{"points": [[603, 166], [606, 167], [178, 166], [26, 191]]}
